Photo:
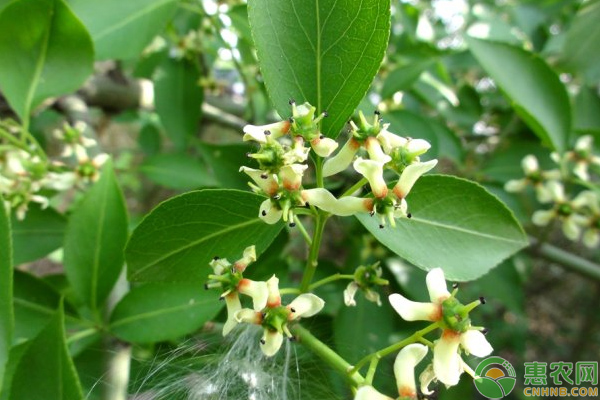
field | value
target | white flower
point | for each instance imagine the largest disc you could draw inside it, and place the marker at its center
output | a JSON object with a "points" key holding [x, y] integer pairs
{"points": [[410, 175], [447, 363], [342, 159], [349, 294], [259, 133], [269, 212], [368, 392], [404, 369], [344, 206], [373, 171], [268, 183], [415, 311]]}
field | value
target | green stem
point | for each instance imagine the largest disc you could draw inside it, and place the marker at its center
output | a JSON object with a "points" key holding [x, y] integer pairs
{"points": [[332, 278], [372, 370], [13, 140], [326, 354], [355, 187], [313, 253], [319, 172], [81, 335], [302, 230], [569, 260], [415, 337], [289, 291]]}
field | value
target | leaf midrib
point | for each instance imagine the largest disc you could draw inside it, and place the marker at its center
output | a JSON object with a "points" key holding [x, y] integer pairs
{"points": [[97, 248], [464, 230], [197, 242], [132, 17]]}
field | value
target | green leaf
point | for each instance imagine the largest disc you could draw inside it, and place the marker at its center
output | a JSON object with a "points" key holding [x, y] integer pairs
{"points": [[177, 171], [402, 78], [45, 370], [534, 90], [6, 290], [225, 161], [178, 98], [586, 110], [407, 123], [455, 225], [580, 49], [161, 311], [176, 241], [46, 51], [40, 233], [35, 302], [95, 238], [121, 29], [325, 52]]}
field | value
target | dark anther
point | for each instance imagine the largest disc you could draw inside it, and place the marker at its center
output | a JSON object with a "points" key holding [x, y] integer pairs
{"points": [[292, 309], [263, 213], [371, 213], [293, 338], [267, 132], [485, 331], [277, 197], [222, 298], [264, 176], [454, 285], [482, 300], [215, 258], [292, 101], [325, 114], [409, 215], [377, 112], [263, 315], [206, 286], [291, 120], [321, 136], [381, 226], [262, 341], [292, 224], [307, 205]]}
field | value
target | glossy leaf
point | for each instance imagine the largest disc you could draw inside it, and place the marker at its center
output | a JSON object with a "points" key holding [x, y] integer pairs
{"points": [[40, 233], [6, 290], [35, 302], [177, 171], [534, 90], [470, 230], [45, 370], [121, 29], [95, 239], [178, 98], [325, 52], [46, 51], [176, 241], [163, 311], [580, 50]]}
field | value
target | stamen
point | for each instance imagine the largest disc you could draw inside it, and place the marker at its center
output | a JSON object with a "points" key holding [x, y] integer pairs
{"points": [[267, 132], [409, 215], [485, 331], [377, 112], [455, 285], [292, 101], [263, 342], [381, 226], [264, 176], [263, 213], [325, 114], [215, 258], [482, 300]]}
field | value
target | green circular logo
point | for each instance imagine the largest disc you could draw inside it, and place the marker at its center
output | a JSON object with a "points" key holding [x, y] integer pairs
{"points": [[497, 377]]}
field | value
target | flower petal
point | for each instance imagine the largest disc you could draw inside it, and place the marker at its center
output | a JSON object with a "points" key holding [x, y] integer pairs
{"points": [[232, 301], [375, 151], [257, 290], [389, 141], [274, 299], [515, 185], [265, 181], [446, 360], [415, 311], [257, 133], [349, 294], [410, 175], [305, 305], [248, 316], [291, 175], [271, 342], [426, 377], [591, 238], [248, 258], [530, 164], [342, 159], [369, 393], [404, 369], [345, 206], [323, 146], [436, 286], [268, 213], [416, 147], [542, 217], [373, 171], [474, 342]]}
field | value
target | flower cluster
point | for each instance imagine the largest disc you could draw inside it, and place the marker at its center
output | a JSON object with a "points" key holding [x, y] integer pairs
{"points": [[458, 336], [384, 151], [26, 175], [282, 165], [267, 309], [282, 160], [578, 214]]}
